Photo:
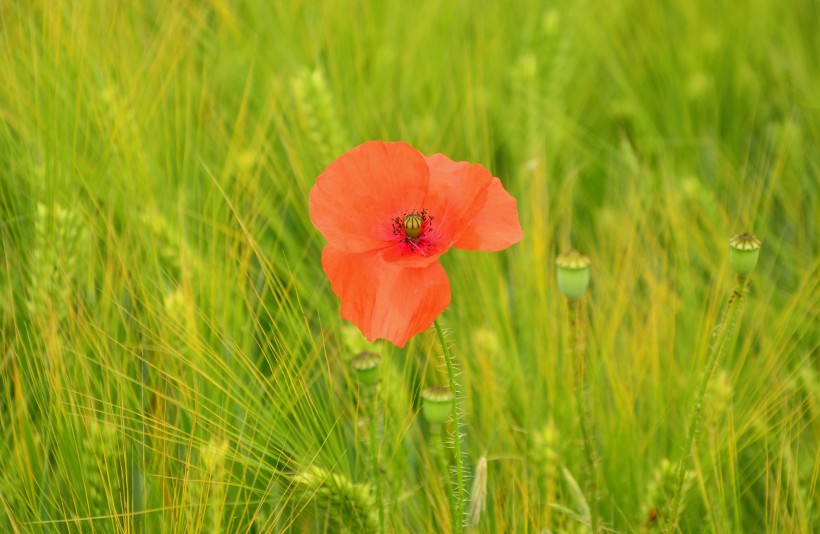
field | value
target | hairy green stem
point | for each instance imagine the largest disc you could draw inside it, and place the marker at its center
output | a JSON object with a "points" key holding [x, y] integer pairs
{"points": [[458, 509], [437, 449], [725, 328], [582, 404]]}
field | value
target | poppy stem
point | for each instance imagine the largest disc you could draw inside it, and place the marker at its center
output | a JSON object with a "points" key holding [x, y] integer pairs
{"points": [[437, 451], [722, 337], [458, 512], [577, 351], [375, 446]]}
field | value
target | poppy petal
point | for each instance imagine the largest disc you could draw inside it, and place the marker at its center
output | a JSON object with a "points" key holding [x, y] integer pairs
{"points": [[457, 193], [414, 254], [355, 200], [496, 226], [386, 300]]}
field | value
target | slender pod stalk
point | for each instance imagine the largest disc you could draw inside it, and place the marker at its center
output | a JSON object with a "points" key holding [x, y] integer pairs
{"points": [[743, 253], [437, 446], [724, 332], [366, 366], [374, 458], [573, 279], [458, 509], [582, 404], [436, 405]]}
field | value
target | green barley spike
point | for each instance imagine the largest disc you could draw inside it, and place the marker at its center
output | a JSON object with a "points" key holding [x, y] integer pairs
{"points": [[213, 457], [545, 460], [337, 138], [100, 460], [315, 103], [167, 242], [350, 505], [207, 484], [60, 237], [122, 120], [526, 106]]}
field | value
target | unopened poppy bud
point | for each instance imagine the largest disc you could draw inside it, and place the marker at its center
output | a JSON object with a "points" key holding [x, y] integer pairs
{"points": [[744, 250], [412, 224], [366, 366], [573, 274], [437, 404]]}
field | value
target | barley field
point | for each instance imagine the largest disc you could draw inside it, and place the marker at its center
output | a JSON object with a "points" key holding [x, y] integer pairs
{"points": [[172, 354]]}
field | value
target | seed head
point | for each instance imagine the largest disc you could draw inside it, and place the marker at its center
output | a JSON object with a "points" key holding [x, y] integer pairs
{"points": [[573, 274], [366, 366], [413, 223], [437, 404], [744, 250]]}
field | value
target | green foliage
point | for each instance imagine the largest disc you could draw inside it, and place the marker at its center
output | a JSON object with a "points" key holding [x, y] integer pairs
{"points": [[171, 354]]}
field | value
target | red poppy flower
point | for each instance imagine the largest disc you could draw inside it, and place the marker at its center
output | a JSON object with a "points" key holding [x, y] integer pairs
{"points": [[388, 212]]}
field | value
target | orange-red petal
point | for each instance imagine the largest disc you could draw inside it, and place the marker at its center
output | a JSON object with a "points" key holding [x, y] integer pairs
{"points": [[414, 255], [386, 300], [495, 226], [355, 199], [457, 193]]}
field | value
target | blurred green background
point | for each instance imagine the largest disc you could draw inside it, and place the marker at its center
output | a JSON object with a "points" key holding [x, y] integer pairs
{"points": [[172, 357]]}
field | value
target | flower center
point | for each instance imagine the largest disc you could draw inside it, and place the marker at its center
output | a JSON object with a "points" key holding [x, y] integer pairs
{"points": [[413, 230], [413, 223]]}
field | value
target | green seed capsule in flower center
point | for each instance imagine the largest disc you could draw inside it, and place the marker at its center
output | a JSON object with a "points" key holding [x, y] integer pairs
{"points": [[412, 225]]}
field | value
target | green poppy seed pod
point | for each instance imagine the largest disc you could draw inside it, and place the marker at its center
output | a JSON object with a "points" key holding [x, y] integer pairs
{"points": [[366, 366], [413, 223], [437, 404], [744, 250], [573, 274]]}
